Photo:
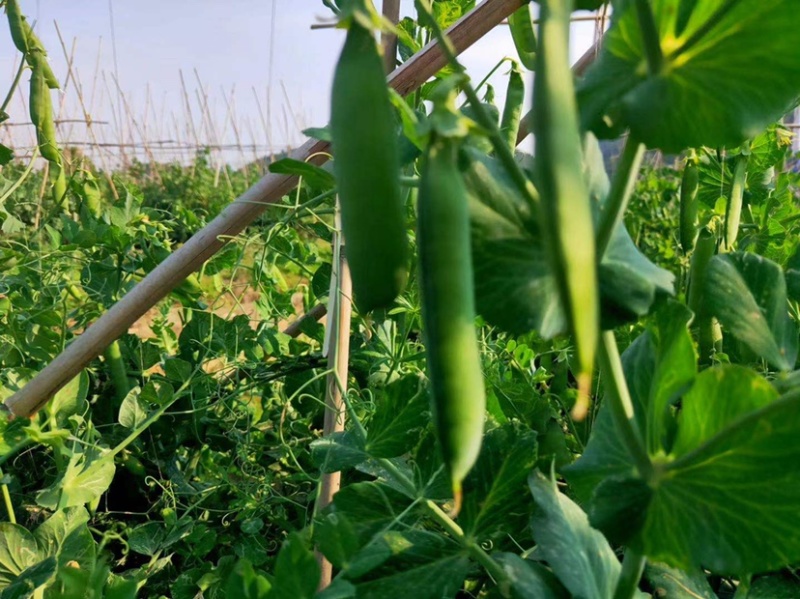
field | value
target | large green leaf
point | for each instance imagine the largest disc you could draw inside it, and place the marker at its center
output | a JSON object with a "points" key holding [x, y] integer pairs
{"points": [[495, 501], [530, 579], [725, 499], [671, 583], [514, 289], [86, 477], [747, 293], [774, 587], [338, 451], [401, 415], [658, 365], [733, 79], [728, 501], [296, 571], [578, 554], [439, 577], [18, 551]]}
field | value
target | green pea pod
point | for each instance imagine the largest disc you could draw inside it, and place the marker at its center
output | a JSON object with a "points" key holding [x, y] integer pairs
{"points": [[707, 329], [448, 311], [524, 37], [566, 216], [733, 214], [37, 56], [16, 23], [367, 167], [41, 109], [688, 208], [512, 110]]}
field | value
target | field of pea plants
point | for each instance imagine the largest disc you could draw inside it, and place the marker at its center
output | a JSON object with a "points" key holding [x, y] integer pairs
{"points": [[445, 349]]}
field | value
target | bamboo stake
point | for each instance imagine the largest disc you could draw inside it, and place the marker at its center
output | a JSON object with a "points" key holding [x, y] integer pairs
{"points": [[340, 309], [244, 210]]}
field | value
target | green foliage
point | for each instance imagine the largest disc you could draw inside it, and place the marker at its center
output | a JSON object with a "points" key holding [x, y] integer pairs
{"points": [[186, 462]]}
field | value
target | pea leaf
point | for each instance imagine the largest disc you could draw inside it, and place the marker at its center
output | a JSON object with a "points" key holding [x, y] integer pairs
{"points": [[677, 584], [316, 177], [296, 571], [579, 555], [401, 415], [729, 502], [747, 293], [338, 451], [714, 88], [530, 579], [514, 288], [494, 492], [658, 365]]}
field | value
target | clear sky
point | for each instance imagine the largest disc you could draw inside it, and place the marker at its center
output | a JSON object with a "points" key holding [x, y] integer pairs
{"points": [[241, 49]]}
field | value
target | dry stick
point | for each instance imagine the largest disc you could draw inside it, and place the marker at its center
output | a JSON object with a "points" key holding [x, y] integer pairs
{"points": [[231, 106], [133, 125], [313, 315], [73, 73], [578, 69], [213, 134], [206, 242], [340, 310], [391, 12], [188, 107], [117, 123], [264, 123]]}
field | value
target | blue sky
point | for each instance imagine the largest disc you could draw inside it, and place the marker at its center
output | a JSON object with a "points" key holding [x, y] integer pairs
{"points": [[246, 45]]}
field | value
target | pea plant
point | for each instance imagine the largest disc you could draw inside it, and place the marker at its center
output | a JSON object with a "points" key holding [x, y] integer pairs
{"points": [[572, 360]]}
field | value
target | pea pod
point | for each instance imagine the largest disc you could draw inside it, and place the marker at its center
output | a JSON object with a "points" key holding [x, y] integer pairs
{"points": [[367, 172], [708, 332], [41, 109], [17, 24], [448, 311], [690, 183], [733, 214], [512, 110], [523, 35], [566, 216]]}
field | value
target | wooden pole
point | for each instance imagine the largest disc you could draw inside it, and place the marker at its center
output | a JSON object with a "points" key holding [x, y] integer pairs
{"points": [[243, 211]]}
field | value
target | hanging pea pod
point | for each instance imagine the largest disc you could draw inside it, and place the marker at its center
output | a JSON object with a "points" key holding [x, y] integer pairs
{"points": [[566, 224], [512, 110], [367, 167], [709, 334], [733, 214], [448, 299], [448, 311], [41, 111], [16, 23], [524, 36], [690, 184]]}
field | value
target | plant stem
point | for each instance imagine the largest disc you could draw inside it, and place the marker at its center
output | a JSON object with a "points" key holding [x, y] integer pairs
{"points": [[619, 399], [501, 148], [632, 568], [14, 85], [650, 37], [621, 190], [712, 22], [7, 500], [494, 569]]}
